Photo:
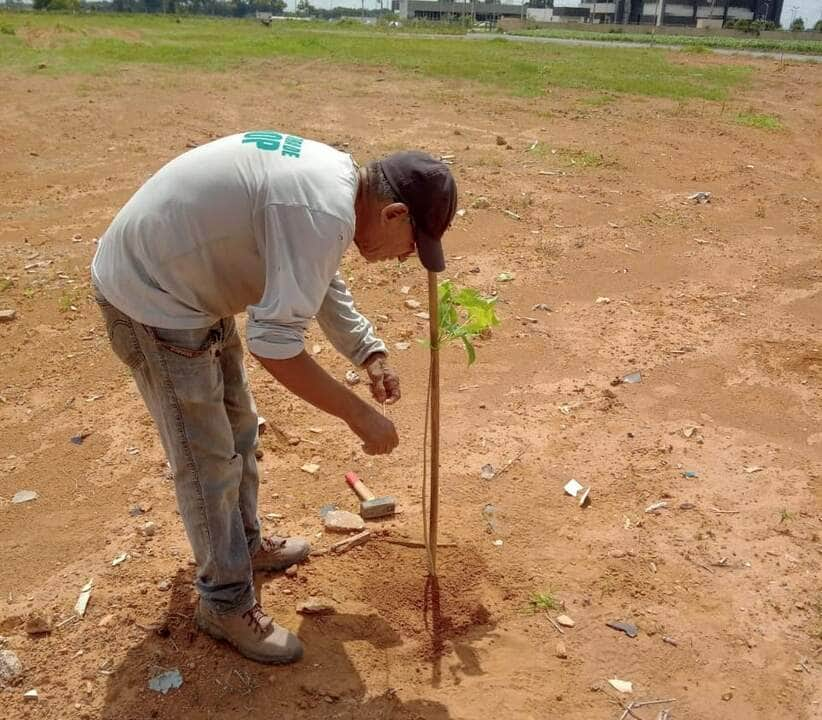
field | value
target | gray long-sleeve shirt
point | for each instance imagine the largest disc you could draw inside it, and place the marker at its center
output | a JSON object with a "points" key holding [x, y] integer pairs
{"points": [[257, 222]]}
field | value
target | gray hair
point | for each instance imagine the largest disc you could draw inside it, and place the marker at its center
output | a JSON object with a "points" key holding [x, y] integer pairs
{"points": [[379, 184]]}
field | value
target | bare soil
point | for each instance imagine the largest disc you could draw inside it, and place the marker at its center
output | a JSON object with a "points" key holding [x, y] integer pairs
{"points": [[717, 305]]}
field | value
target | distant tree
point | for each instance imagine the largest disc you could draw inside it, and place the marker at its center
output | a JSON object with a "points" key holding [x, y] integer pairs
{"points": [[40, 4], [798, 25], [818, 26], [304, 7], [63, 5]]}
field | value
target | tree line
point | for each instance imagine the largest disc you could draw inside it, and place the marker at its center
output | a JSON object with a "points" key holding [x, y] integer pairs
{"points": [[222, 8]]}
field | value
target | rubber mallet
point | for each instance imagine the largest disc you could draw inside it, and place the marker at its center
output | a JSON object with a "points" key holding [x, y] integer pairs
{"points": [[370, 506]]}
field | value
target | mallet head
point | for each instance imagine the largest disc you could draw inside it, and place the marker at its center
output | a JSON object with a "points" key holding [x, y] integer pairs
{"points": [[378, 507]]}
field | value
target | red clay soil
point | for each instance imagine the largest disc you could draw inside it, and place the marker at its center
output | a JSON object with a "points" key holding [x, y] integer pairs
{"points": [[717, 305]]}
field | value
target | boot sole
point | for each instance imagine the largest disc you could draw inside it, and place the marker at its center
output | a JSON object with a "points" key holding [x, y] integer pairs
{"points": [[216, 632]]}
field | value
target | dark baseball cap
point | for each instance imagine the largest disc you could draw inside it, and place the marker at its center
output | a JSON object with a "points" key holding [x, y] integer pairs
{"points": [[427, 187]]}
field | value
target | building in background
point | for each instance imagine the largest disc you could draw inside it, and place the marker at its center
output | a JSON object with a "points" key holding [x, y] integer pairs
{"points": [[479, 10], [695, 13]]}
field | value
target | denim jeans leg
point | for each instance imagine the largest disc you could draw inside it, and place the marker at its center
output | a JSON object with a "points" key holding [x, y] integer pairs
{"points": [[179, 375], [242, 414], [207, 469]]}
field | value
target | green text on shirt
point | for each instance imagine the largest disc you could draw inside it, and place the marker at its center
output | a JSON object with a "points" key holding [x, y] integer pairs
{"points": [[272, 141]]}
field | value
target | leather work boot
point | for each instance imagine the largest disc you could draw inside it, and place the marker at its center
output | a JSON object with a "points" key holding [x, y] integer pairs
{"points": [[277, 553], [253, 633]]}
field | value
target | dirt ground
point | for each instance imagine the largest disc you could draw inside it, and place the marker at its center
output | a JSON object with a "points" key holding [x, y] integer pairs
{"points": [[717, 305]]}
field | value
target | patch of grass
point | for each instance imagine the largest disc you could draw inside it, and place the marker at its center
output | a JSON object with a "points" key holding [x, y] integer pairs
{"points": [[598, 100], [785, 516], [68, 300], [585, 158], [695, 49], [791, 45], [5, 284], [758, 120], [543, 602], [103, 44], [6, 29]]}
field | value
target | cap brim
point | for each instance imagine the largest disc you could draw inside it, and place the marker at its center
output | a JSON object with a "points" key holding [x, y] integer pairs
{"points": [[430, 253]]}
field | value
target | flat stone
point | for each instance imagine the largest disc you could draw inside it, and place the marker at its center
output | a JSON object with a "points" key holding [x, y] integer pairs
{"points": [[31, 695], [38, 623], [23, 496], [343, 521], [412, 304], [10, 667], [565, 621], [316, 606], [7, 315]]}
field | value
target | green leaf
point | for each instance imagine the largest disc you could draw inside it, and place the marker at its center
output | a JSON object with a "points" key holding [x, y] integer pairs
{"points": [[464, 314]]}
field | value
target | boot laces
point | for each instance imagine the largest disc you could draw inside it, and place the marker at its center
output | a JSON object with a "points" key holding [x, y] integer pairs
{"points": [[257, 619], [272, 544]]}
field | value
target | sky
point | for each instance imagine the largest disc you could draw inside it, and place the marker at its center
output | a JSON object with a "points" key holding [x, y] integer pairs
{"points": [[809, 10]]}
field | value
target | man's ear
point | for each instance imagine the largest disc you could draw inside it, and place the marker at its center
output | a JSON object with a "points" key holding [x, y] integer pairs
{"points": [[394, 211]]}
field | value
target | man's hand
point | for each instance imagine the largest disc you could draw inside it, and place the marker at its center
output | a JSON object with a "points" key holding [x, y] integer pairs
{"points": [[302, 376], [377, 432], [385, 383]]}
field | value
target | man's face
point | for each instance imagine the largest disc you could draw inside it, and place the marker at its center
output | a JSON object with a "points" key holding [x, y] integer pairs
{"points": [[388, 234]]}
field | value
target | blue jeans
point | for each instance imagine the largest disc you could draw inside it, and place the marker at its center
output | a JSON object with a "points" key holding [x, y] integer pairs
{"points": [[196, 389]]}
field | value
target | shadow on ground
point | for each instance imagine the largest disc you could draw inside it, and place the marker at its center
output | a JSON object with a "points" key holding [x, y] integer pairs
{"points": [[217, 682]]}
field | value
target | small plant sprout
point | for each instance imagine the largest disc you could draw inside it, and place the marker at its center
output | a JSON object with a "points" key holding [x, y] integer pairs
{"points": [[462, 315], [543, 602]]}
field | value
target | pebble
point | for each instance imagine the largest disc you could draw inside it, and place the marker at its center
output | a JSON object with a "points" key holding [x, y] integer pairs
{"points": [[106, 620], [727, 696], [481, 203], [38, 623], [7, 315], [148, 529], [565, 621], [561, 651], [501, 140], [10, 667], [259, 453], [343, 521], [164, 585], [351, 377], [316, 606], [31, 695], [412, 304], [23, 496], [291, 571]]}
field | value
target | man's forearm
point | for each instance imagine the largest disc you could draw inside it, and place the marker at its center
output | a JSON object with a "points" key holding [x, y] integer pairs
{"points": [[306, 379]]}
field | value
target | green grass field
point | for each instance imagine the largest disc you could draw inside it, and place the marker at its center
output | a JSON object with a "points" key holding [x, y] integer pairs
{"points": [[791, 44], [100, 44]]}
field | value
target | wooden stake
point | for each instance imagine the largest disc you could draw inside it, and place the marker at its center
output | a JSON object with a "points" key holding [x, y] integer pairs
{"points": [[434, 397]]}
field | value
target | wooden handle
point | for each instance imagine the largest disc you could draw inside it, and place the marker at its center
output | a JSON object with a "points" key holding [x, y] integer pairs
{"points": [[358, 486], [434, 335]]}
